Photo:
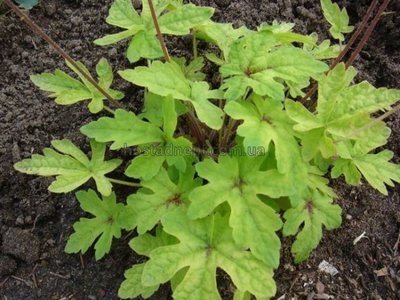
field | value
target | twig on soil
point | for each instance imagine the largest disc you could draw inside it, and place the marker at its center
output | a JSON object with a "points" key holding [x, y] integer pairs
{"points": [[60, 276], [28, 283], [36, 29], [34, 223], [4, 281]]}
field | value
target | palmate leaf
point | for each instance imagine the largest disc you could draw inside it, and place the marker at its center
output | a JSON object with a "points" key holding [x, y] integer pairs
{"points": [[315, 211], [341, 110], [167, 79], [160, 196], [178, 20], [67, 90], [376, 168], [337, 18], [238, 181], [254, 62], [203, 246], [71, 166], [124, 129], [222, 35], [103, 227], [265, 123]]}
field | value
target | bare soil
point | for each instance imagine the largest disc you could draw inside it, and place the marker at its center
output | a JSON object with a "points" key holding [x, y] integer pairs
{"points": [[34, 224]]}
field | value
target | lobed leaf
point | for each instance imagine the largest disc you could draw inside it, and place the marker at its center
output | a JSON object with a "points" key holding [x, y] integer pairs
{"points": [[71, 166], [103, 227]]}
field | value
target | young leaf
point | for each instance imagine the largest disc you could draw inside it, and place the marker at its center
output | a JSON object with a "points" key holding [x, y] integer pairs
{"points": [[124, 129], [265, 122], [103, 227], [238, 181], [192, 71], [205, 245], [133, 287], [339, 19], [222, 35], [175, 151], [167, 79], [341, 110], [376, 168], [67, 90], [255, 62], [144, 44], [160, 196], [316, 211], [71, 166]]}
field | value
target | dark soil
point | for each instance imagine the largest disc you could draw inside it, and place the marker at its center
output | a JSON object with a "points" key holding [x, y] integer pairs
{"points": [[34, 224]]}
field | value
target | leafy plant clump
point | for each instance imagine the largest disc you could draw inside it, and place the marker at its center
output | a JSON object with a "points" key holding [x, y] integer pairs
{"points": [[222, 166]]}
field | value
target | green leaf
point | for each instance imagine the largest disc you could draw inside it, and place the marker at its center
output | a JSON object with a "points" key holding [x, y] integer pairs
{"points": [[205, 245], [124, 129], [192, 71], [174, 18], [27, 4], [71, 166], [67, 90], [283, 33], [238, 181], [167, 79], [337, 18], [160, 196], [255, 62], [132, 286], [315, 211], [343, 110], [222, 35], [103, 227], [265, 122], [179, 21]]}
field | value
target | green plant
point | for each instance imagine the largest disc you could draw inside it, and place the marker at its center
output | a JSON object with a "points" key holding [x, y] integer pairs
{"points": [[220, 170]]}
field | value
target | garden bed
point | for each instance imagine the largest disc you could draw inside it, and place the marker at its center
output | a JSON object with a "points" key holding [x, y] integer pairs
{"points": [[34, 224]]}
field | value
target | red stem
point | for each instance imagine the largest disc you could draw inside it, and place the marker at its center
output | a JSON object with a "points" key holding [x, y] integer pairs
{"points": [[368, 33], [352, 40], [158, 30], [36, 29]]}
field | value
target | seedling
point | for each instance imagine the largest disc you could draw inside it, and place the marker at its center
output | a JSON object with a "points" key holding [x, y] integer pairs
{"points": [[221, 168]]}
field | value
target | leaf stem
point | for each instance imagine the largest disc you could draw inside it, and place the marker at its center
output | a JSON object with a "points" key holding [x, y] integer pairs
{"points": [[195, 51], [158, 30], [123, 182], [111, 111], [36, 29]]}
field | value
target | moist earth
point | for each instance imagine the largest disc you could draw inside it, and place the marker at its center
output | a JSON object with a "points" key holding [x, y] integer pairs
{"points": [[35, 225]]}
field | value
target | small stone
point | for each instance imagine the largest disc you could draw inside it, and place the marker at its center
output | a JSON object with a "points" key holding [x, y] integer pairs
{"points": [[349, 217], [7, 265], [22, 244], [326, 267], [20, 220]]}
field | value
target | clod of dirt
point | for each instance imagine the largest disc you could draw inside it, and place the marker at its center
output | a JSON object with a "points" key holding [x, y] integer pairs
{"points": [[22, 244], [7, 265]]}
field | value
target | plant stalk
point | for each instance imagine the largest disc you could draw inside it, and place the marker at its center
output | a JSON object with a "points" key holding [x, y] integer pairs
{"points": [[158, 30], [123, 182], [342, 54], [36, 29], [368, 33]]}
